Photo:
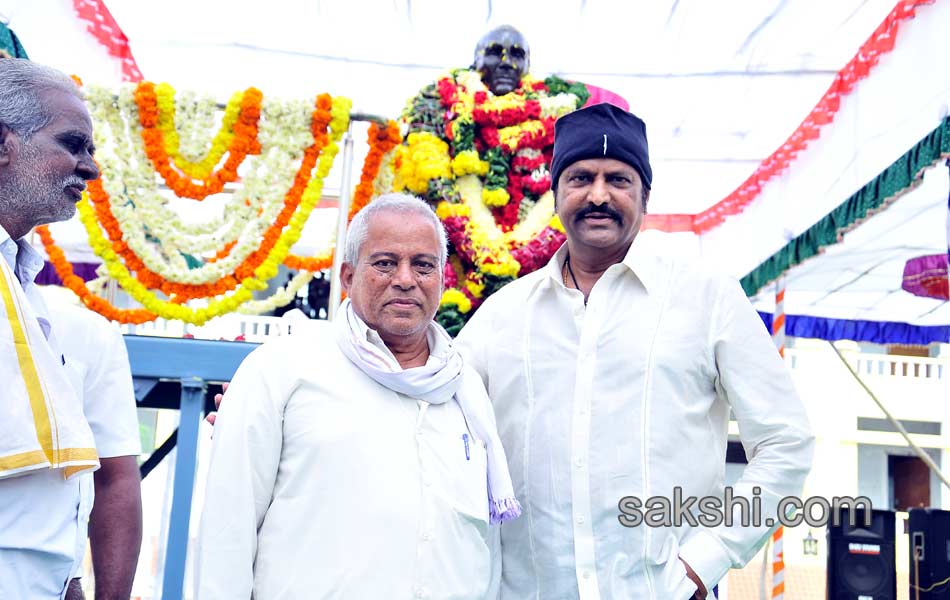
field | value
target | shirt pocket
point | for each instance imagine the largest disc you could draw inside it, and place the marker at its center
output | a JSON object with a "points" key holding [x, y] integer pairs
{"points": [[461, 462]]}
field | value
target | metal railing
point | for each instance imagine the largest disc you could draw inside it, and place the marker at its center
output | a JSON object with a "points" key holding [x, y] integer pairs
{"points": [[884, 365]]}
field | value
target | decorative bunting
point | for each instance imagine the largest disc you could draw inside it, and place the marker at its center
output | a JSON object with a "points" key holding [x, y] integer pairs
{"points": [[104, 28], [877, 45]]}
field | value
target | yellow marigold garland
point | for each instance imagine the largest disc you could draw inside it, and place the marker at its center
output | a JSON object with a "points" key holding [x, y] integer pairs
{"points": [[424, 158], [267, 270], [219, 145]]}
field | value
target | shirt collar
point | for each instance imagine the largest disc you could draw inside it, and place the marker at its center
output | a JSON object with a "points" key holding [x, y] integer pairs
{"points": [[438, 347], [644, 263], [25, 261], [639, 260]]}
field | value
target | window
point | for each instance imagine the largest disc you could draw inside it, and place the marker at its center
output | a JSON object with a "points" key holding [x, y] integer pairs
{"points": [[909, 482]]}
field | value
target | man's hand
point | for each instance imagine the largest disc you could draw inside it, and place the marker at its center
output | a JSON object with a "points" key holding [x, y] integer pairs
{"points": [[217, 404], [74, 590], [700, 588]]}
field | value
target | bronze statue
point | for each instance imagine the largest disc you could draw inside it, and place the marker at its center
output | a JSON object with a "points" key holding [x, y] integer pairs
{"points": [[477, 147], [502, 57]]}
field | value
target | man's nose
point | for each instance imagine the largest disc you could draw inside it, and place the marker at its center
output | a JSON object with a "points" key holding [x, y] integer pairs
{"points": [[598, 193], [87, 169], [403, 277]]}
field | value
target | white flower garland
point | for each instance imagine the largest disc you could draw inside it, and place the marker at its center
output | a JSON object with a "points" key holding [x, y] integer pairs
{"points": [[281, 297], [284, 134]]}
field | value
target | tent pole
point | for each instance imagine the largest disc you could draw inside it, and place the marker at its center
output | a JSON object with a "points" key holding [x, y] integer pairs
{"points": [[336, 291], [897, 424]]}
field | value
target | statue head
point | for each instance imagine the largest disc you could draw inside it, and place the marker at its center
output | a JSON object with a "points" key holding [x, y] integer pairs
{"points": [[502, 58]]}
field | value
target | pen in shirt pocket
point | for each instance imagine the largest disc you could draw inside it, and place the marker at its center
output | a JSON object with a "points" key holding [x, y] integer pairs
{"points": [[468, 455]]}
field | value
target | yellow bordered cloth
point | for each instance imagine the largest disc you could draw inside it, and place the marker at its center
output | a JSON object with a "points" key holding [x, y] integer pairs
{"points": [[41, 420]]}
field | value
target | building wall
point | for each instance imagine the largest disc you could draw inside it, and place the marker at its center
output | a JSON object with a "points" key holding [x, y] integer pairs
{"points": [[853, 462]]}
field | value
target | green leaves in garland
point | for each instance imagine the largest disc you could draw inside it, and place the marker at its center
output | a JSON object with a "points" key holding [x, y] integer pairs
{"points": [[451, 319], [556, 85]]}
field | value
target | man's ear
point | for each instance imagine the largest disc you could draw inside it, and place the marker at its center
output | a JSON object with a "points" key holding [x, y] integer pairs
{"points": [[346, 277], [7, 141]]}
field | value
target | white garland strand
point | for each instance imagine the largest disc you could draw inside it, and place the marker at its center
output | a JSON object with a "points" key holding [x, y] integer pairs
{"points": [[138, 206]]}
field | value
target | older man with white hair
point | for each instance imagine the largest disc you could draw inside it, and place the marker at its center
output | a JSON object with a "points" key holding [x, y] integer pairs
{"points": [[45, 442], [359, 458]]}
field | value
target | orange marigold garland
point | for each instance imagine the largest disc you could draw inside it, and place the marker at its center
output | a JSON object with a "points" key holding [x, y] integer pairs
{"points": [[75, 283], [243, 143], [381, 141], [183, 292]]}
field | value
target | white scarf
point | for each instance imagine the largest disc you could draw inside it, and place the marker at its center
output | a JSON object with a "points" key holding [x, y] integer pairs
{"points": [[43, 426], [436, 383]]}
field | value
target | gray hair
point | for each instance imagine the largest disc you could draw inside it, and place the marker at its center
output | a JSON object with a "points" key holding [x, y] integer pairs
{"points": [[22, 84], [395, 202]]}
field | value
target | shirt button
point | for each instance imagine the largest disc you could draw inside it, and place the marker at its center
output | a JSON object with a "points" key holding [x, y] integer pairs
{"points": [[586, 574], [426, 536], [580, 463], [580, 520], [422, 593]]}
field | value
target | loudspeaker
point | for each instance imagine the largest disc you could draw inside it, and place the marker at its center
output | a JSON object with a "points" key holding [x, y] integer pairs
{"points": [[861, 558], [929, 531]]}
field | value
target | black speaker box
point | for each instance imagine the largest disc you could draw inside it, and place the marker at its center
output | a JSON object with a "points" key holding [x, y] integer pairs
{"points": [[861, 559], [929, 531]]}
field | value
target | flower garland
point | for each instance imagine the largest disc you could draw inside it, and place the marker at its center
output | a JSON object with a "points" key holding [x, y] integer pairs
{"points": [[255, 251], [243, 143], [272, 217], [381, 142], [281, 297], [483, 160], [75, 283], [308, 189], [119, 211], [248, 211], [203, 169], [497, 257]]}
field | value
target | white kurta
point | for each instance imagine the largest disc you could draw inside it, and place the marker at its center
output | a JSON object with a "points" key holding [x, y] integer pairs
{"points": [[324, 484], [43, 518], [97, 364], [630, 396]]}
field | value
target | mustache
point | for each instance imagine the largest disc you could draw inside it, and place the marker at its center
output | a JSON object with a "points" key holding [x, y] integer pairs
{"points": [[76, 181], [600, 211]]}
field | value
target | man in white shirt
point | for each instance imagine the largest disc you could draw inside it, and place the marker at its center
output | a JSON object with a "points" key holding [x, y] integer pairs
{"points": [[612, 372], [359, 458], [45, 159], [97, 364]]}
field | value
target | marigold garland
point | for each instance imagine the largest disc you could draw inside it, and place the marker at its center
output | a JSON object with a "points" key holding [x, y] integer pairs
{"points": [[151, 229], [75, 283], [482, 160], [322, 117], [381, 142], [243, 294], [202, 170], [305, 192], [243, 143]]}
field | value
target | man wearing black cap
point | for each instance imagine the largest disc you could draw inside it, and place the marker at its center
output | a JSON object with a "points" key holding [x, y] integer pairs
{"points": [[613, 372]]}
